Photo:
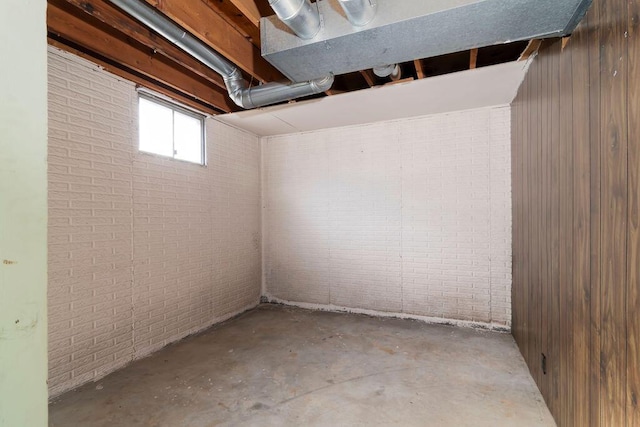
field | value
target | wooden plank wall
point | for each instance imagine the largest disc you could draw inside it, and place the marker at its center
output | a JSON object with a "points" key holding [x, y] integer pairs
{"points": [[576, 219]]}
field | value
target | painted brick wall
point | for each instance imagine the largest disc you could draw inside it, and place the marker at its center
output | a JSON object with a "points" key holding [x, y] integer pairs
{"points": [[142, 250], [410, 216]]}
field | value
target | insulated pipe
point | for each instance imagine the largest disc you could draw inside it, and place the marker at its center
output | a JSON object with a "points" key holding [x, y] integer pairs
{"points": [[359, 12], [299, 15], [243, 96]]}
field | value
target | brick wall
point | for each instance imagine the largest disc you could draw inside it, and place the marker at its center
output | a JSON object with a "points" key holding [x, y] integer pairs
{"points": [[410, 216], [142, 250]]}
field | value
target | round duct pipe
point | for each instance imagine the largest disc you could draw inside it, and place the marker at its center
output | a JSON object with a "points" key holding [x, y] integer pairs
{"points": [[239, 92], [392, 71], [300, 15], [359, 12]]}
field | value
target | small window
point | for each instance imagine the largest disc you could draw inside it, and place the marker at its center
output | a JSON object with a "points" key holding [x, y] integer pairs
{"points": [[169, 130]]}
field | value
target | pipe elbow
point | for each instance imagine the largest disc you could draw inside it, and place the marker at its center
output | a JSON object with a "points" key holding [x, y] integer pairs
{"points": [[244, 100], [237, 89], [272, 93]]}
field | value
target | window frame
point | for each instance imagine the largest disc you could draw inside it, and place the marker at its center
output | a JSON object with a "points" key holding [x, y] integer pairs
{"points": [[173, 106]]}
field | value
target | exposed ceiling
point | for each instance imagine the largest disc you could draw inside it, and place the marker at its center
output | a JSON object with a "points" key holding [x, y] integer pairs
{"points": [[488, 86], [100, 32]]}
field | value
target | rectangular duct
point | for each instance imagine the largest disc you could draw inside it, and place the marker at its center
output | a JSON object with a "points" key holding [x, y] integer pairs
{"points": [[404, 30]]}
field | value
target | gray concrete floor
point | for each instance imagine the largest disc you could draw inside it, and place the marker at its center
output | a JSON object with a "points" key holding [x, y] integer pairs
{"points": [[279, 366]]}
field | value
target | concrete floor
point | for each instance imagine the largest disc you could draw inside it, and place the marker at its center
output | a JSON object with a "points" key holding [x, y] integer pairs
{"points": [[279, 366]]}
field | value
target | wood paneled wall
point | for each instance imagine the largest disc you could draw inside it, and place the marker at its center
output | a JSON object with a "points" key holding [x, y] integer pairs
{"points": [[576, 219]]}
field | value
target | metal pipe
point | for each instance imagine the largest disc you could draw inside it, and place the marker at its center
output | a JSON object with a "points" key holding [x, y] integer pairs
{"points": [[300, 15], [243, 96], [272, 93], [392, 71], [359, 12]]}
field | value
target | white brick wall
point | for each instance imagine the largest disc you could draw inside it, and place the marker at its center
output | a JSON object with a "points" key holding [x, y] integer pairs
{"points": [[142, 250], [410, 216]]}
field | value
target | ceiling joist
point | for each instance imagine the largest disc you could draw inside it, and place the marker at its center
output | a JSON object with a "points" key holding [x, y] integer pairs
{"points": [[419, 70], [473, 58], [237, 19], [68, 26], [102, 10], [532, 48], [366, 74], [248, 9], [197, 18]]}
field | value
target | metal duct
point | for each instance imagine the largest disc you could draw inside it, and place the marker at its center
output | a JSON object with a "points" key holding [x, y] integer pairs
{"points": [[404, 30], [299, 15], [272, 93], [393, 71], [359, 12], [243, 96]]}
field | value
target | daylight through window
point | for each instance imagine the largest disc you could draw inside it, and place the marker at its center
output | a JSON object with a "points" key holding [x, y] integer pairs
{"points": [[169, 130]]}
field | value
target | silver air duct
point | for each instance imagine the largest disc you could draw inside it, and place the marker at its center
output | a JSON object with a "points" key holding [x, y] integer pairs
{"points": [[245, 97], [300, 15], [272, 93], [404, 30], [392, 71], [359, 12]]}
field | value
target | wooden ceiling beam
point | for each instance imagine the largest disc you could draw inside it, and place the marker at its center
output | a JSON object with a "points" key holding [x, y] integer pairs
{"points": [[368, 77], [137, 78], [102, 10], [532, 48], [419, 69], [473, 58], [70, 27], [236, 18], [200, 20], [248, 9]]}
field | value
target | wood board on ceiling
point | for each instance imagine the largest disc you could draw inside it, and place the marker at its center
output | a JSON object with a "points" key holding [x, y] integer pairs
{"points": [[481, 87]]}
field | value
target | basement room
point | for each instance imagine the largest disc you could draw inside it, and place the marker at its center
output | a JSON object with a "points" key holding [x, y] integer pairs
{"points": [[320, 213]]}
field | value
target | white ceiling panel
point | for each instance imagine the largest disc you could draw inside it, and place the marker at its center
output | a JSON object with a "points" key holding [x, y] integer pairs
{"points": [[481, 87]]}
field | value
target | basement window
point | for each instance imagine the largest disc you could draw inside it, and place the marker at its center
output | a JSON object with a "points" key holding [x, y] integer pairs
{"points": [[170, 130]]}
